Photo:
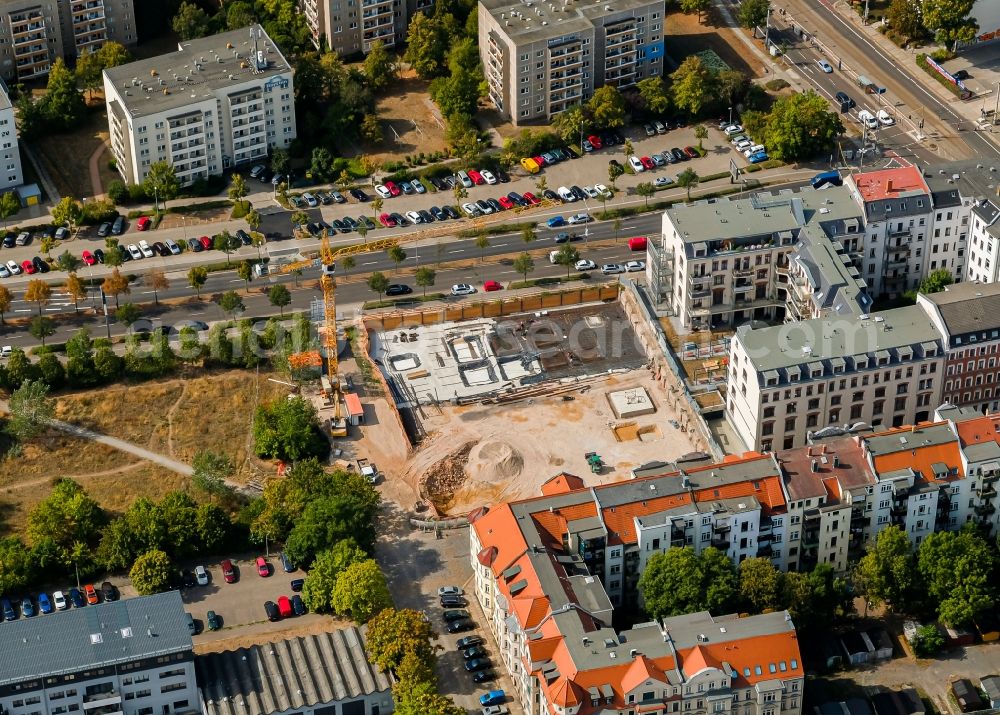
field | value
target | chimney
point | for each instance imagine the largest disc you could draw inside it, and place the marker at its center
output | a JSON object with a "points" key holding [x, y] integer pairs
{"points": [[888, 186], [815, 466], [836, 461]]}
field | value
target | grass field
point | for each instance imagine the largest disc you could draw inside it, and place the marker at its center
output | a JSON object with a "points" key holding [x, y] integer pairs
{"points": [[67, 156], [173, 417]]}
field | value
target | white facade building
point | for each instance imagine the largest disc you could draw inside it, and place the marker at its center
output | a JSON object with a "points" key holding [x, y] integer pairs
{"points": [[217, 102], [128, 657], [11, 174]]}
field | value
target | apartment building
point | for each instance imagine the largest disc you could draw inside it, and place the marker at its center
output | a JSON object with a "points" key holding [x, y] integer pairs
{"points": [[541, 57], [218, 102], [11, 174], [790, 381], [984, 241], [949, 237], [768, 257], [551, 619], [968, 317], [33, 33], [350, 28], [127, 657], [897, 213]]}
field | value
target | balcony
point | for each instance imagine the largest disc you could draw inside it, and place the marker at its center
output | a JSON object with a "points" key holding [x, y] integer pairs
{"points": [[986, 492], [985, 509], [723, 527], [990, 477], [743, 288], [720, 543], [765, 551]]}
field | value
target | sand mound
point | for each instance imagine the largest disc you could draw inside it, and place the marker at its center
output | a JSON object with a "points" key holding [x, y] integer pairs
{"points": [[494, 461]]}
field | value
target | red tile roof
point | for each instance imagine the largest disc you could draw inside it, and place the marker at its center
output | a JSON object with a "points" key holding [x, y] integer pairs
{"points": [[890, 183], [562, 483], [918, 457], [979, 430]]}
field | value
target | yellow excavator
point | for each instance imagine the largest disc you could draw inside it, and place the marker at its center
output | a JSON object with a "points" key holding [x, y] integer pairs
{"points": [[328, 259]]}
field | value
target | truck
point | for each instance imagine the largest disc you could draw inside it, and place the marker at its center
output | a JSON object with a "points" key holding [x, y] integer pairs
{"points": [[368, 470]]}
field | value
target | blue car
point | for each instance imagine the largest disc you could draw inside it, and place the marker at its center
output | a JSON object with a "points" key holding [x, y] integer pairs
{"points": [[44, 604], [77, 598], [494, 697], [27, 607], [9, 614], [556, 222], [758, 157], [286, 563]]}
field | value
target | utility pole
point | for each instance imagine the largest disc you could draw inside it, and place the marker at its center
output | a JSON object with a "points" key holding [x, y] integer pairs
{"points": [[866, 12], [996, 109], [767, 25]]}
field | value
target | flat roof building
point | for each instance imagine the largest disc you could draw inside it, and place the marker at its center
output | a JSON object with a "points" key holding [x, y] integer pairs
{"points": [[353, 28], [541, 58], [217, 102]]}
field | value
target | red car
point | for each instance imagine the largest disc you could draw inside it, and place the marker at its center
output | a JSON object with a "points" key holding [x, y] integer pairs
{"points": [[88, 258], [540, 160], [91, 593], [476, 177], [387, 220], [595, 141], [228, 572], [28, 267], [205, 242], [393, 189], [263, 568], [143, 223], [506, 202], [284, 607], [647, 163], [490, 286], [531, 198], [691, 152]]}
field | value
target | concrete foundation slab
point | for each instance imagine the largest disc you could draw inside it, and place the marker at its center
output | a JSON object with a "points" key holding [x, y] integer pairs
{"points": [[627, 404]]}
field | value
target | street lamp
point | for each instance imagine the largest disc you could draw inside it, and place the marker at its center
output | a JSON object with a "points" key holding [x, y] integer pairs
{"points": [[730, 115]]}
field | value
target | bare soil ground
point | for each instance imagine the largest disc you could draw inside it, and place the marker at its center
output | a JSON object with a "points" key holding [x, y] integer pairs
{"points": [[686, 35], [67, 156], [174, 417], [482, 454], [410, 122]]}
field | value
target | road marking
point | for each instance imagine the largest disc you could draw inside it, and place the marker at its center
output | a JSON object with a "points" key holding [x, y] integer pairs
{"points": [[369, 263], [23, 310], [461, 250]]}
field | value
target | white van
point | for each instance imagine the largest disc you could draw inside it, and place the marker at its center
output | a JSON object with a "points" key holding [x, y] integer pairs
{"points": [[868, 119], [553, 257]]}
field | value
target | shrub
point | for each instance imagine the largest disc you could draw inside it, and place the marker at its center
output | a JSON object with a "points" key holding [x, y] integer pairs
{"points": [[118, 191], [928, 641], [777, 84], [136, 194], [942, 55]]}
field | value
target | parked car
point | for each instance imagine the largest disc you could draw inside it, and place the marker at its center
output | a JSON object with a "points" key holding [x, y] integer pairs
{"points": [[118, 226], [77, 598], [9, 614], [263, 568], [636, 164], [484, 676], [284, 607], [109, 592], [494, 697], [584, 265], [228, 571], [213, 620], [271, 609], [296, 584], [884, 118], [462, 624], [59, 601], [286, 563], [299, 606], [462, 289], [91, 594], [633, 266], [88, 258], [143, 223], [455, 614], [610, 269], [201, 575], [27, 607], [398, 289], [579, 218], [476, 651], [489, 287], [488, 177], [478, 664], [44, 603]]}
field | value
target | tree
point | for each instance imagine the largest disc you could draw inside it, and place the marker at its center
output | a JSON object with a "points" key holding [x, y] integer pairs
{"points": [[957, 570], [280, 161], [127, 314], [113, 54], [371, 129], [161, 183], [936, 281], [363, 232], [394, 633], [422, 698], [42, 327], [377, 204], [88, 71], [6, 298], [800, 126], [688, 179], [361, 591], [760, 584], [628, 149], [701, 134], [68, 262], [244, 270], [425, 277], [231, 303], [426, 46], [157, 280], [279, 296], [212, 526], [9, 205], [397, 255], [653, 91], [288, 430], [903, 16], [887, 572], [76, 290], [458, 94], [299, 219], [224, 242], [254, 220], [698, 6], [46, 245], [197, 277], [753, 13], [528, 235], [482, 243], [115, 284], [378, 283], [67, 211], [815, 599], [211, 470], [65, 518], [18, 565], [237, 188], [379, 67], [524, 265], [693, 85], [949, 20], [614, 171], [929, 641], [52, 371], [567, 256], [191, 21], [30, 409], [151, 572], [38, 292], [645, 189], [572, 123], [607, 107], [324, 571], [63, 106], [680, 581]]}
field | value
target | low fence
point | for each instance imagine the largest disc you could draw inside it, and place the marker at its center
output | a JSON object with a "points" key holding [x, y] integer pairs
{"points": [[492, 308], [667, 371]]}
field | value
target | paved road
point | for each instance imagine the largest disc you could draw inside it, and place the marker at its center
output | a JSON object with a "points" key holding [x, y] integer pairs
{"points": [[842, 39]]}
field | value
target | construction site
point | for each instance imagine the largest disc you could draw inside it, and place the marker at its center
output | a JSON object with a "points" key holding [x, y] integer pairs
{"points": [[496, 402]]}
